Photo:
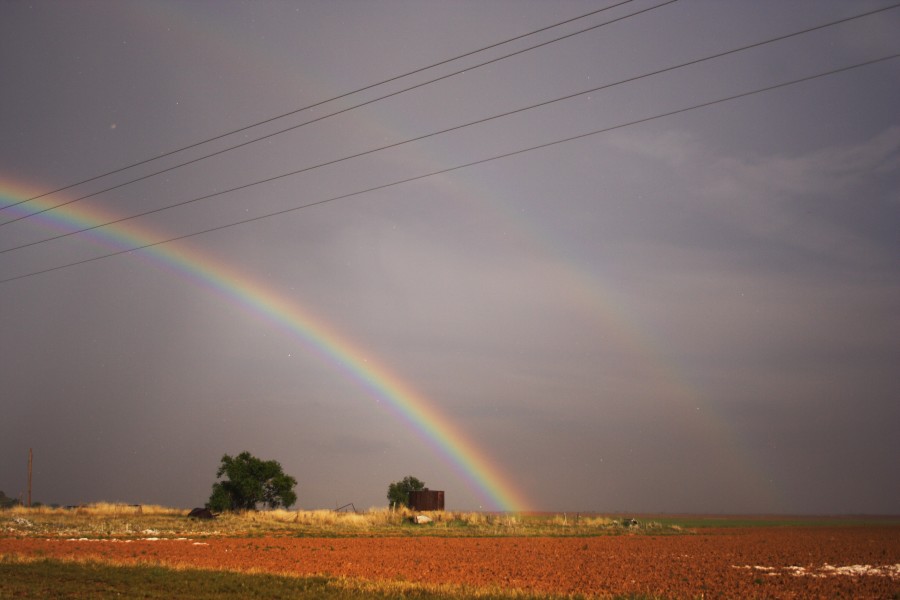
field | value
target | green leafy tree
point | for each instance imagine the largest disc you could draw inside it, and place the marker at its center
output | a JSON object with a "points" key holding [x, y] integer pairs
{"points": [[398, 492], [249, 482]]}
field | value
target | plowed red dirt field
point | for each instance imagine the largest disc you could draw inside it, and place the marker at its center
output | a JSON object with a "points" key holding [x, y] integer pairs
{"points": [[776, 562]]}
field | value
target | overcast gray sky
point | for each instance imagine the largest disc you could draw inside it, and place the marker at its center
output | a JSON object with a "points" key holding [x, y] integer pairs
{"points": [[698, 313]]}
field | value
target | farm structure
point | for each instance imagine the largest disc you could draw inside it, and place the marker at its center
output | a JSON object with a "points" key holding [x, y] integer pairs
{"points": [[426, 499]]}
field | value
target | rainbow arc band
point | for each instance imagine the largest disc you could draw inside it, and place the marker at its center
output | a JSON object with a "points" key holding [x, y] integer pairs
{"points": [[406, 403]]}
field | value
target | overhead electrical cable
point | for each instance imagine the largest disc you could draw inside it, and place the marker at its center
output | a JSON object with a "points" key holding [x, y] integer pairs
{"points": [[442, 131], [462, 166], [319, 103], [321, 118]]}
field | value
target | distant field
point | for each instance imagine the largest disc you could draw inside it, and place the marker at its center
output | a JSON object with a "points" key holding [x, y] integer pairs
{"points": [[729, 521], [115, 520], [111, 520]]}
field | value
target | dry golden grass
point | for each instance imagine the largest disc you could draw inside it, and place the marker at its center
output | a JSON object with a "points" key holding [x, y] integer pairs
{"points": [[565, 520], [120, 520], [98, 509]]}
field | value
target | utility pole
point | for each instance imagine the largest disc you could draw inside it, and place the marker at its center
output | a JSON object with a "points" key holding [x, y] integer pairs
{"points": [[29, 477]]}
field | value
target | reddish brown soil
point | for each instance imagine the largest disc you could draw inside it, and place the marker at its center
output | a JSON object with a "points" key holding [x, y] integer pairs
{"points": [[725, 563]]}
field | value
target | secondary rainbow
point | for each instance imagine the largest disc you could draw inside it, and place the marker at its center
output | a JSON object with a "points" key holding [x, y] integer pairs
{"points": [[405, 402]]}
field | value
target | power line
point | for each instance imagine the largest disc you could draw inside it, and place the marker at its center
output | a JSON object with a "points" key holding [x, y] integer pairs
{"points": [[319, 103], [447, 130], [463, 166], [317, 119]]}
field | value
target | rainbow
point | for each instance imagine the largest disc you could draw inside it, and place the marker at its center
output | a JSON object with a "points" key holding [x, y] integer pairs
{"points": [[446, 438]]}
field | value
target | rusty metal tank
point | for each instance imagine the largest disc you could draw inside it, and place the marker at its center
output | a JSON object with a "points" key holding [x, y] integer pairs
{"points": [[426, 499]]}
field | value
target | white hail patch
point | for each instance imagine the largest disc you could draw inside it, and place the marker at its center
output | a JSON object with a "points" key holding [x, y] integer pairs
{"points": [[826, 570]]}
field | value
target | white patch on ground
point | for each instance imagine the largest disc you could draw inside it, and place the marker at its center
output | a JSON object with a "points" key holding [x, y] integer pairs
{"points": [[826, 570], [118, 541]]}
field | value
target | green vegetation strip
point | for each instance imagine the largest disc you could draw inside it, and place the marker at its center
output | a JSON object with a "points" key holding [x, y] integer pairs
{"points": [[701, 522], [58, 580]]}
